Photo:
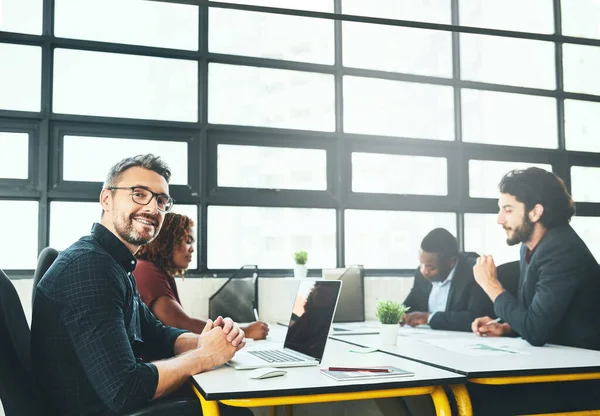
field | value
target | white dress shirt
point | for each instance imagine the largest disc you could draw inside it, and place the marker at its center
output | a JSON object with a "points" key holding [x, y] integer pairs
{"points": [[438, 298]]}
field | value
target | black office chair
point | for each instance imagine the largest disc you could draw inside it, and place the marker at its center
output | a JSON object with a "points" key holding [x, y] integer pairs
{"points": [[45, 260], [508, 276], [18, 393]]}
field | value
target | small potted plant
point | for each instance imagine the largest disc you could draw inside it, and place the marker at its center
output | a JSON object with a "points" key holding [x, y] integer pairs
{"points": [[300, 257], [390, 313]]}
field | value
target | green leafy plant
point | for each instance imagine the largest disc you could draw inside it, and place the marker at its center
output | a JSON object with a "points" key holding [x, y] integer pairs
{"points": [[390, 312], [300, 257]]}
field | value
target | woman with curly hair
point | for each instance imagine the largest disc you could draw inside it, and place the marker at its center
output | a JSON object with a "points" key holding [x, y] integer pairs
{"points": [[170, 254]]}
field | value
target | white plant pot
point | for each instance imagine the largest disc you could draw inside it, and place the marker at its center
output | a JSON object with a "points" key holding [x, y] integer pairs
{"points": [[388, 334], [300, 271]]}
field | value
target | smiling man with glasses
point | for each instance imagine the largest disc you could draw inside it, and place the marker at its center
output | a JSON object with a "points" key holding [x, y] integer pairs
{"points": [[97, 349]]}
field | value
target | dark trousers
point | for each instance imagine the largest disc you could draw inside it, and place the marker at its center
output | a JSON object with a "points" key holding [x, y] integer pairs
{"points": [[515, 399]]}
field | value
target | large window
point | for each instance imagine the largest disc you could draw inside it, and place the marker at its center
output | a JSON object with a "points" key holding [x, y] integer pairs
{"points": [[395, 174], [14, 164], [138, 22], [18, 246], [251, 96], [117, 85], [108, 151], [20, 77], [268, 237], [390, 239], [346, 128], [392, 108], [271, 167]]}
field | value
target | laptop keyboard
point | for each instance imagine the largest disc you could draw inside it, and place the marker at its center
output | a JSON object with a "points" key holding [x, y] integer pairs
{"points": [[275, 356]]}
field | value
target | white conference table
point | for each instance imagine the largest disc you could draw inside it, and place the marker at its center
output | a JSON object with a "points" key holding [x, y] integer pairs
{"points": [[490, 360], [307, 385]]}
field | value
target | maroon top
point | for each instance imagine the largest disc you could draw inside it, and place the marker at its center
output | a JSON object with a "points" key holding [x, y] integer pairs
{"points": [[153, 282]]}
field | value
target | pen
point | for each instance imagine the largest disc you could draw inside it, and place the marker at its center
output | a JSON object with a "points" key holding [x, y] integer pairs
{"points": [[493, 321], [255, 311], [370, 370]]}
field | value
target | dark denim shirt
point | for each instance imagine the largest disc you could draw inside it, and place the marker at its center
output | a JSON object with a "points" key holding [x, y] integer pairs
{"points": [[90, 330]]}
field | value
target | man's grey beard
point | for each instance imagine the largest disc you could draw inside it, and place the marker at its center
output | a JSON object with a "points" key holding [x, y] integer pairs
{"points": [[128, 233]]}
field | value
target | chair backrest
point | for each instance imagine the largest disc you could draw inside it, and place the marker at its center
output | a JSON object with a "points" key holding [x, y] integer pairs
{"points": [[508, 276], [18, 392], [45, 260]]}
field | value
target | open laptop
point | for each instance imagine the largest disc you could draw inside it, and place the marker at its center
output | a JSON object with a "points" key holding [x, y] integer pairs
{"points": [[308, 330]]}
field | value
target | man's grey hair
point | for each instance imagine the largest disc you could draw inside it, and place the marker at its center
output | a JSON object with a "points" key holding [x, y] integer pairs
{"points": [[147, 161]]}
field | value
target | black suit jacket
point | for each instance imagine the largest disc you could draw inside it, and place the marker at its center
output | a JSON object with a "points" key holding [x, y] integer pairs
{"points": [[466, 299], [559, 293]]}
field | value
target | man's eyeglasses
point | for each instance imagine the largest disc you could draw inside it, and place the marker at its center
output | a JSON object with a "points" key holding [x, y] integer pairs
{"points": [[143, 196]]}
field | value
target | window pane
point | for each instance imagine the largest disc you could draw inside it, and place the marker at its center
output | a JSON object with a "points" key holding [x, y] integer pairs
{"points": [[580, 18], [69, 221], [395, 174], [314, 5], [269, 237], [21, 16], [519, 62], [581, 63], [252, 96], [582, 125], [395, 108], [390, 239], [137, 22], [522, 16], [485, 175], [266, 35], [588, 229], [20, 77], [271, 167], [509, 119], [14, 152], [434, 11], [397, 49], [115, 85], [584, 184], [109, 151], [19, 246], [484, 236]]}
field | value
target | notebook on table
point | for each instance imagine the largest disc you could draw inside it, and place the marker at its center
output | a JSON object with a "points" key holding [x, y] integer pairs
{"points": [[361, 375], [308, 330]]}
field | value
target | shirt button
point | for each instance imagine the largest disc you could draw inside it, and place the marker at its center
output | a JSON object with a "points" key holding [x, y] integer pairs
{"points": [[132, 261]]}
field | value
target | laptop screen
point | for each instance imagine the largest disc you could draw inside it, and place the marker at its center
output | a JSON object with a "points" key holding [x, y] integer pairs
{"points": [[312, 315]]}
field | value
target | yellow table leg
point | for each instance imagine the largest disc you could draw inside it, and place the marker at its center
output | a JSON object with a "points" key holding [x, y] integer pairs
{"points": [[440, 401], [463, 400], [209, 408]]}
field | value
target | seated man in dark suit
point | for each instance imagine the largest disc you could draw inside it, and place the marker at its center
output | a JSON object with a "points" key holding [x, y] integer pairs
{"points": [[558, 291], [444, 294]]}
